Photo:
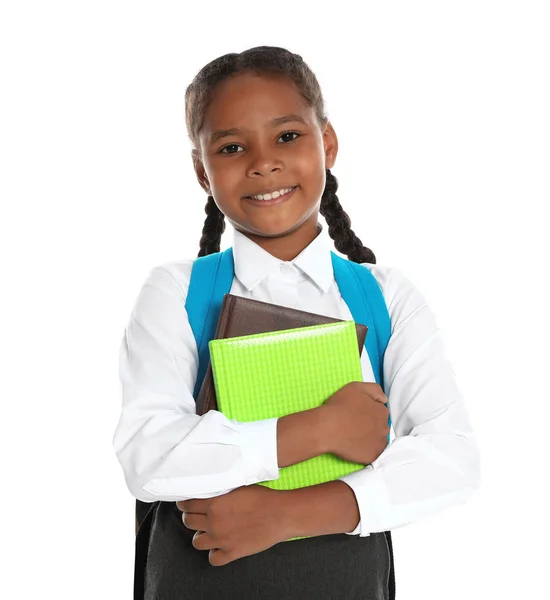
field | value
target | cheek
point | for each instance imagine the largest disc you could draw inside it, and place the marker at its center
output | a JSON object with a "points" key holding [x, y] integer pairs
{"points": [[314, 178], [311, 164], [226, 178]]}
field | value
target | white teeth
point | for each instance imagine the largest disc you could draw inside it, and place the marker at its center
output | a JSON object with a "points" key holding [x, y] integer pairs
{"points": [[272, 195]]}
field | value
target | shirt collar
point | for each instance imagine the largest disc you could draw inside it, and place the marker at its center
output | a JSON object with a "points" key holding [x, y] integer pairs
{"points": [[253, 263]]}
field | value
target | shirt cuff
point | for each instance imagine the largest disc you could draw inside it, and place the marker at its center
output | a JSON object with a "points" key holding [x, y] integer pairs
{"points": [[372, 498], [258, 441]]}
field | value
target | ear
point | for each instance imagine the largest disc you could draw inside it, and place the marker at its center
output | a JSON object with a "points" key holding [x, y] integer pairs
{"points": [[200, 172], [330, 143]]}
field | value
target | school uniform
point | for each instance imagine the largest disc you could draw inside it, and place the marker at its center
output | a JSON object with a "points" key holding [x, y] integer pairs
{"points": [[168, 453]]}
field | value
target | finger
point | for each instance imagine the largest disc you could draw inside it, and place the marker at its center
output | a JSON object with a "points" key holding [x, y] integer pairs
{"points": [[376, 393], [219, 558], [193, 506], [195, 521], [381, 400], [203, 541]]}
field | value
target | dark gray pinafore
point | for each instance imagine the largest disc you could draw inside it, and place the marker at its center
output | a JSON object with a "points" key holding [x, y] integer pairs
{"points": [[329, 567]]}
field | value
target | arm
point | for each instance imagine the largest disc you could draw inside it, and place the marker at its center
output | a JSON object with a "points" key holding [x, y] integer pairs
{"points": [[300, 436], [168, 452], [433, 462], [321, 509]]}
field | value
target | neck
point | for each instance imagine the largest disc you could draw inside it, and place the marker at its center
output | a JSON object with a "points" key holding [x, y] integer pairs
{"points": [[287, 247]]}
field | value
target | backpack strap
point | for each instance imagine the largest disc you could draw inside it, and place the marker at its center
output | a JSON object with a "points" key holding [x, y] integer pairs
{"points": [[211, 278], [362, 293]]}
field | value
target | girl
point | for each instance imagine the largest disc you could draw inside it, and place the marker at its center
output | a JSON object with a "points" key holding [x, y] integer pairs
{"points": [[263, 150]]}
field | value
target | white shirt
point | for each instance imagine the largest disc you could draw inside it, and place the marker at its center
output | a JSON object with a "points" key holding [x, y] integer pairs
{"points": [[169, 453]]}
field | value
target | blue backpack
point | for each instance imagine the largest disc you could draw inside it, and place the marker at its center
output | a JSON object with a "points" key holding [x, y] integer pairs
{"points": [[212, 277]]}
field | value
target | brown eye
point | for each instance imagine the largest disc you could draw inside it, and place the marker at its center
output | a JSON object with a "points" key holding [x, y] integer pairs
{"points": [[290, 133], [222, 151]]}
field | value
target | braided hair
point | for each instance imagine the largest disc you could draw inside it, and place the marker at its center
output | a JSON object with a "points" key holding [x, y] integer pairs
{"points": [[268, 60]]}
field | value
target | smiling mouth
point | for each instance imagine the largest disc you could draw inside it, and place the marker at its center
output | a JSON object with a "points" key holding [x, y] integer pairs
{"points": [[271, 194], [272, 201]]}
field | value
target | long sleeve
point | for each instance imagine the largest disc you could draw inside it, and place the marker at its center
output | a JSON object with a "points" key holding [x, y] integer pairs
{"points": [[166, 451], [433, 461]]}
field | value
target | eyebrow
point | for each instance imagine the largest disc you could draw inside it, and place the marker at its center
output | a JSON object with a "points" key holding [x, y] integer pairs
{"points": [[274, 123]]}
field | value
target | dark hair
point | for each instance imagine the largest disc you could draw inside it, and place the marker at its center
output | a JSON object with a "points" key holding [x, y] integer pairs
{"points": [[271, 61]]}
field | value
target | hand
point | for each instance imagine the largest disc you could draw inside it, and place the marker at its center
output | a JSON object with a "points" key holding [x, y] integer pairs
{"points": [[245, 521], [357, 422]]}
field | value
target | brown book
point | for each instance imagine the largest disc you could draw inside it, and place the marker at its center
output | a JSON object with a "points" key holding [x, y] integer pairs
{"points": [[244, 316]]}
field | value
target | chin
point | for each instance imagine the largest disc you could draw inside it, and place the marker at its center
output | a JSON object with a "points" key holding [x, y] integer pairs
{"points": [[265, 227]]}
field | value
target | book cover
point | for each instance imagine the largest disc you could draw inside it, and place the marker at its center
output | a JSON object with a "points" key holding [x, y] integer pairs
{"points": [[274, 374], [244, 316]]}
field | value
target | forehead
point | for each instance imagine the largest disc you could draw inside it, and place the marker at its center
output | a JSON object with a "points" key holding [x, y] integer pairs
{"points": [[250, 101]]}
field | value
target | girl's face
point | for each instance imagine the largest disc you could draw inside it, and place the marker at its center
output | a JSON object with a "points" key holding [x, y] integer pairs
{"points": [[258, 136]]}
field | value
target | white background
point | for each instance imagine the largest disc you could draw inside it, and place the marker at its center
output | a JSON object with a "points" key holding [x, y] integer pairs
{"points": [[441, 109]]}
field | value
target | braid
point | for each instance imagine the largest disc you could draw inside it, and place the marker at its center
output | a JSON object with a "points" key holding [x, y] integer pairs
{"points": [[214, 226], [339, 225]]}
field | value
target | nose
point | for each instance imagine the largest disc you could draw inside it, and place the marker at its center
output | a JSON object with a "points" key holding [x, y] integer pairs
{"points": [[263, 163]]}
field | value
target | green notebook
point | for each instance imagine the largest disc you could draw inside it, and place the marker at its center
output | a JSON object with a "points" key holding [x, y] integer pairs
{"points": [[274, 374]]}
